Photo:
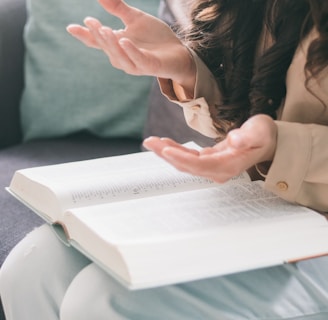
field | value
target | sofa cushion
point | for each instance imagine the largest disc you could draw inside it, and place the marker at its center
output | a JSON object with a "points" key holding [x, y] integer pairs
{"points": [[70, 87], [12, 20]]}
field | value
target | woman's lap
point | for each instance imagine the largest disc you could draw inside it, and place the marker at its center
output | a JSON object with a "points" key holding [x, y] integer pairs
{"points": [[53, 279]]}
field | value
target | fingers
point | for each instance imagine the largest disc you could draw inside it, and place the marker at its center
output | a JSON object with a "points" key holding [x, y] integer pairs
{"points": [[82, 34], [184, 159], [217, 165], [122, 53], [142, 63], [87, 35], [211, 166], [116, 52], [108, 41], [159, 145], [98, 36], [120, 9]]}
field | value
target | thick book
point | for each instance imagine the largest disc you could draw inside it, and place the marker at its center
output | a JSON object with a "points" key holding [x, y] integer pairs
{"points": [[148, 225]]}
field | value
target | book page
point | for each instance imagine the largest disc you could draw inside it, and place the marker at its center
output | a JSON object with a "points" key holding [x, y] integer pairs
{"points": [[186, 213], [195, 234], [103, 180]]}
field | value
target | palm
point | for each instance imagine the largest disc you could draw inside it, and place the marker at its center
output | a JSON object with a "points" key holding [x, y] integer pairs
{"points": [[158, 43], [254, 142]]}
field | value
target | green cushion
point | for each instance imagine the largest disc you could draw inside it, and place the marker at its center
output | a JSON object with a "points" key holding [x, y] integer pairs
{"points": [[71, 88]]}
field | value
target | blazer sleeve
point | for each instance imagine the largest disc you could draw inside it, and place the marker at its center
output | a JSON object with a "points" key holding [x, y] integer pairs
{"points": [[196, 108], [299, 170]]}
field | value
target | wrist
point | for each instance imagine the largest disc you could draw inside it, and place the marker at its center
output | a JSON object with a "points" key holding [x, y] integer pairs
{"points": [[186, 77]]}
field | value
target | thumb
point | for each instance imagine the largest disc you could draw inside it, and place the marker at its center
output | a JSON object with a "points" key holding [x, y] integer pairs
{"points": [[237, 139]]}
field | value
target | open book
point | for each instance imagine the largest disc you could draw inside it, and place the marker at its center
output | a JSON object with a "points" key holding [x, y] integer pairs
{"points": [[148, 224]]}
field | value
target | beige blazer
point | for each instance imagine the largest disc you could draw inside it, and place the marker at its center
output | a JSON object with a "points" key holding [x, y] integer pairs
{"points": [[299, 171]]}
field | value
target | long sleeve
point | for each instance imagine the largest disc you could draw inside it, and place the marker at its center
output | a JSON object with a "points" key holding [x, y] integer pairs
{"points": [[299, 170], [196, 108]]}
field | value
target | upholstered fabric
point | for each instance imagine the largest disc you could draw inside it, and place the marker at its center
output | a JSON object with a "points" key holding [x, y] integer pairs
{"points": [[12, 20], [69, 87]]}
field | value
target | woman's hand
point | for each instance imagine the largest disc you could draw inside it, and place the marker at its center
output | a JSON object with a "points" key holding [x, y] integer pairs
{"points": [[147, 46], [253, 143]]}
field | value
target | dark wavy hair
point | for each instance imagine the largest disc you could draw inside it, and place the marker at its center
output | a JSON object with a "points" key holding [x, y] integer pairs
{"points": [[226, 34]]}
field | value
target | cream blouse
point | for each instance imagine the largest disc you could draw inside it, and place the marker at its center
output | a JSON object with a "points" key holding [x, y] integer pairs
{"points": [[299, 170]]}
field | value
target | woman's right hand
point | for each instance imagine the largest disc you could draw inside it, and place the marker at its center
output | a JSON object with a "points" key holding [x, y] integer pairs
{"points": [[146, 46]]}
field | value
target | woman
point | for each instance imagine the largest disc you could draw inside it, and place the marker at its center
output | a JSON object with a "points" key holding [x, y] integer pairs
{"points": [[251, 74], [271, 61]]}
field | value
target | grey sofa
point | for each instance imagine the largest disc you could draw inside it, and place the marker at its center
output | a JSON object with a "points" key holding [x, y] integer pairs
{"points": [[163, 119]]}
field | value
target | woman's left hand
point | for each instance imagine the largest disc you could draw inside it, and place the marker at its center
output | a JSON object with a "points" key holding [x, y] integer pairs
{"points": [[253, 143]]}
